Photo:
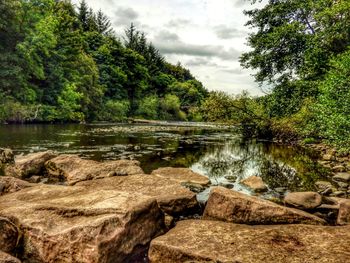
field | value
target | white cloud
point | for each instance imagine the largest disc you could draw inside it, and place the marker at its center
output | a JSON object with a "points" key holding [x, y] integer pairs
{"points": [[207, 36]]}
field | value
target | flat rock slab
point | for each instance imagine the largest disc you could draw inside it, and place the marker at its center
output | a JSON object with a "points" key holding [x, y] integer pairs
{"points": [[255, 183], [30, 164], [303, 200], [172, 198], [73, 169], [10, 185], [231, 206], [81, 224], [6, 258], [342, 177], [8, 235], [213, 241], [182, 175]]}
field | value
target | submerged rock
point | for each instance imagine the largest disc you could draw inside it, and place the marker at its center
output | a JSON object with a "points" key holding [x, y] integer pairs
{"points": [[8, 235], [81, 224], [255, 183], [30, 164], [194, 181], [303, 200], [6, 258], [10, 185], [172, 198], [231, 206], [73, 169], [213, 241]]}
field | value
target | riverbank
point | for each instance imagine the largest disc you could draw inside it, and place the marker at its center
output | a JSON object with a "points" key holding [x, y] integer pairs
{"points": [[61, 207]]}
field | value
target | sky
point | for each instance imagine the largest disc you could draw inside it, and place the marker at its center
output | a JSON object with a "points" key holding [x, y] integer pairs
{"points": [[206, 36]]}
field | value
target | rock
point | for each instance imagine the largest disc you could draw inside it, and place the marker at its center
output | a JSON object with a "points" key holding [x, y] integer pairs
{"points": [[35, 179], [338, 169], [255, 183], [303, 200], [328, 157], [169, 221], [344, 212], [11, 185], [8, 235], [212, 241], [342, 177], [6, 258], [343, 185], [235, 207], [73, 169], [81, 224], [227, 185], [196, 188], [323, 185], [338, 193], [172, 198], [6, 156], [182, 175], [30, 164], [231, 178]]}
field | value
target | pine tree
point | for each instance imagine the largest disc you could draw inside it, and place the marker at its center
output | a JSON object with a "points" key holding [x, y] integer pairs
{"points": [[103, 24], [83, 15]]}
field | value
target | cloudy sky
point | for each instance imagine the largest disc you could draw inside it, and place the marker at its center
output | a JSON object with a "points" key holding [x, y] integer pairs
{"points": [[207, 36]]}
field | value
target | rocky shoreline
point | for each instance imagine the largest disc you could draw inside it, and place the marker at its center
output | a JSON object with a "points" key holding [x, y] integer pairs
{"points": [[61, 208]]}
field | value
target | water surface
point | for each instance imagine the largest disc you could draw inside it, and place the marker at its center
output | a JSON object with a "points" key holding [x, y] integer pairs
{"points": [[217, 152]]}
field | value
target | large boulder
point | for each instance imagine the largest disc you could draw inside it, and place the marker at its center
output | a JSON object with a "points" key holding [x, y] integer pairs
{"points": [[10, 185], [344, 212], [213, 241], [6, 258], [73, 169], [81, 224], [185, 176], [172, 198], [303, 200], [8, 235], [231, 206], [30, 164], [255, 183]]}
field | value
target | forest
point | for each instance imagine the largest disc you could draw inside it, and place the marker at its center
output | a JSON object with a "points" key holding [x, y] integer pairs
{"points": [[61, 63]]}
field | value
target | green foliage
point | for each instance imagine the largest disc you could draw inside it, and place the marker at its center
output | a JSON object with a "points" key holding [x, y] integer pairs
{"points": [[332, 110], [148, 108], [59, 63], [115, 111], [170, 108]]}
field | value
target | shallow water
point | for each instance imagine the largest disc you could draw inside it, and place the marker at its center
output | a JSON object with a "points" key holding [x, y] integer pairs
{"points": [[217, 152]]}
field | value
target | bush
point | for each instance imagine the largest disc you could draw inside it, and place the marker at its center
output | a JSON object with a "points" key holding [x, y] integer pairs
{"points": [[148, 108], [114, 111], [170, 108]]}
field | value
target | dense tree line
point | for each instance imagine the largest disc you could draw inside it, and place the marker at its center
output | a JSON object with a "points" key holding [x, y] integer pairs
{"points": [[64, 63], [300, 50]]}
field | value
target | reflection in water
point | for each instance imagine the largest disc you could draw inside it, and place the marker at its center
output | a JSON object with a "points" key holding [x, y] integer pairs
{"points": [[219, 154]]}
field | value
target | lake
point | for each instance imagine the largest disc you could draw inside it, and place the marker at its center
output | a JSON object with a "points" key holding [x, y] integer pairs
{"points": [[219, 152]]}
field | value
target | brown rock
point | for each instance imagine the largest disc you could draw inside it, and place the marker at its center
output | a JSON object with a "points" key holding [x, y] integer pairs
{"points": [[213, 241], [342, 177], [30, 164], [81, 224], [255, 183], [338, 169], [172, 198], [182, 175], [11, 185], [303, 200], [344, 212], [6, 258], [8, 235], [73, 169], [6, 156], [231, 206]]}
